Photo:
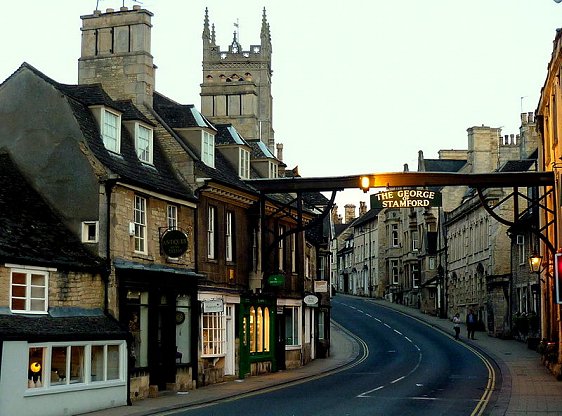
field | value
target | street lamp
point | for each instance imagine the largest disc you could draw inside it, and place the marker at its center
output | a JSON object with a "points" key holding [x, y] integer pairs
{"points": [[535, 261]]}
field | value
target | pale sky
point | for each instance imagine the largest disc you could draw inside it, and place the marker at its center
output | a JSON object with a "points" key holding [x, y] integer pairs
{"points": [[358, 86]]}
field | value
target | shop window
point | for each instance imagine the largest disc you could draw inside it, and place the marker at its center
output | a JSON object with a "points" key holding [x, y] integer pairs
{"points": [[291, 315], [321, 324], [183, 326], [259, 330], [67, 365], [137, 310], [35, 367], [213, 334]]}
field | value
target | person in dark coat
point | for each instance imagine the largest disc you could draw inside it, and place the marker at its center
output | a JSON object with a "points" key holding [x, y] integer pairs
{"points": [[470, 324]]}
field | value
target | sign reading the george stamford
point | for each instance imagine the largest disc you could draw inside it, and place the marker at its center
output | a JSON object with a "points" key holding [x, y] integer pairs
{"points": [[406, 198], [174, 243]]}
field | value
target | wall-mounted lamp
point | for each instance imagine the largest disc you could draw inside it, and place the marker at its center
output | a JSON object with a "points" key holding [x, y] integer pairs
{"points": [[535, 262]]}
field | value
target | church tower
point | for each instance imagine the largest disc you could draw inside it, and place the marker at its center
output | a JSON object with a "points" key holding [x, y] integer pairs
{"points": [[236, 84]]}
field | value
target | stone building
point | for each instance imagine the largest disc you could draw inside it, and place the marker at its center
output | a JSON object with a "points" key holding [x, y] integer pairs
{"points": [[479, 269], [52, 312], [208, 274]]}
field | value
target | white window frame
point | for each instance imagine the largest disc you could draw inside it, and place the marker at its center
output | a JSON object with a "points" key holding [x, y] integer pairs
{"points": [[394, 271], [273, 170], [294, 237], [211, 215], [113, 144], [394, 235], [47, 387], [87, 226], [208, 148], [229, 249], [244, 163], [140, 224], [415, 273], [144, 153], [296, 319], [281, 249], [29, 272], [214, 347], [415, 240], [172, 217]]}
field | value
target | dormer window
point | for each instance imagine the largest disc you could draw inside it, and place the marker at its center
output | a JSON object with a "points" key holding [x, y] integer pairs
{"points": [[244, 164], [208, 149], [111, 131], [144, 143], [273, 170]]}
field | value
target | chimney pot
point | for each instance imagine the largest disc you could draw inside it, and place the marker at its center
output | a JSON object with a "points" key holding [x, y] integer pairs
{"points": [[136, 7], [109, 10], [524, 118], [123, 8]]}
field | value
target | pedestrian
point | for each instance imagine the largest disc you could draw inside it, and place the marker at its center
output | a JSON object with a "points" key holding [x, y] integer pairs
{"points": [[470, 324], [457, 325]]}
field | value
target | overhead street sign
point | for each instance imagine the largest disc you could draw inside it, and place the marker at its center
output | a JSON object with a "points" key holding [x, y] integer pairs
{"points": [[406, 198]]}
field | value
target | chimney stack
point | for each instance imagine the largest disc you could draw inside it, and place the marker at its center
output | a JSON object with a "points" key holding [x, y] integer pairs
{"points": [[349, 213], [116, 53], [362, 208]]}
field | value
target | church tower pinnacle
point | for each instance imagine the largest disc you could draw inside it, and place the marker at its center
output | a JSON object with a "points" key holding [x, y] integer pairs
{"points": [[236, 85]]}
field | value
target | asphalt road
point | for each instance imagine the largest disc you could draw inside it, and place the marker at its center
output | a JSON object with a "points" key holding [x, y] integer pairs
{"points": [[406, 368]]}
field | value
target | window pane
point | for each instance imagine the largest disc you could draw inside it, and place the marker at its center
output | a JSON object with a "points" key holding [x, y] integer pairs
{"points": [[38, 280], [58, 365], [18, 278], [266, 329], [252, 329], [38, 292], [77, 364], [18, 304], [35, 368], [18, 291], [97, 362], [113, 362], [37, 305]]}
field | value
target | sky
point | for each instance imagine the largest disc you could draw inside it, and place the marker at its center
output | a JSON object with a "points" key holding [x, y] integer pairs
{"points": [[358, 86]]}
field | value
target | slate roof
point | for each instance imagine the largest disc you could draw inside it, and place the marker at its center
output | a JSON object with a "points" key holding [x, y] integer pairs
{"points": [[37, 328], [31, 234], [368, 216], [443, 165], [157, 177], [227, 134], [518, 165], [186, 116], [179, 115]]}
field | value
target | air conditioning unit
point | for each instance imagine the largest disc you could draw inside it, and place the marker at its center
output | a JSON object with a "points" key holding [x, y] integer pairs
{"points": [[131, 229]]}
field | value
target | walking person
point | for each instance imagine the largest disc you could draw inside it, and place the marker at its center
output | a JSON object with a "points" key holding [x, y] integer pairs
{"points": [[457, 325], [470, 324]]}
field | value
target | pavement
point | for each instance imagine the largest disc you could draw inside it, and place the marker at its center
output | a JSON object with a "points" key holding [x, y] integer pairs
{"points": [[527, 387]]}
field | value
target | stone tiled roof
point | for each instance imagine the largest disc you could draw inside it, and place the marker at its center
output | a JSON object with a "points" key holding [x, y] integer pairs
{"points": [[37, 328], [157, 177], [31, 234]]}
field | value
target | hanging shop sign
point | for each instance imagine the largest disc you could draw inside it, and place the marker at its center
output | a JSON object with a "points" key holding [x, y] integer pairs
{"points": [[213, 305], [173, 243], [406, 198], [310, 300], [276, 280]]}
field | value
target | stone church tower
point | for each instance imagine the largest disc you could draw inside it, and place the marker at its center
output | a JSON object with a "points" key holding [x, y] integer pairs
{"points": [[236, 84]]}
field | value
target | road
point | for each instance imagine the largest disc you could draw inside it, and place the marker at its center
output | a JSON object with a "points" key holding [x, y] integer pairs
{"points": [[406, 368]]}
